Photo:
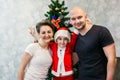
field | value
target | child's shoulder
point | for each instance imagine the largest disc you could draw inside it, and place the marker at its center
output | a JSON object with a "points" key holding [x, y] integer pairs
{"points": [[52, 44]]}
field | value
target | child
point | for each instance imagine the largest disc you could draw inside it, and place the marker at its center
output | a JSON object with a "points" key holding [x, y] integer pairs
{"points": [[62, 50]]}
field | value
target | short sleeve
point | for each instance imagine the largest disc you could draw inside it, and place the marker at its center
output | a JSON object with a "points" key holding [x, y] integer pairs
{"points": [[29, 49], [105, 37]]}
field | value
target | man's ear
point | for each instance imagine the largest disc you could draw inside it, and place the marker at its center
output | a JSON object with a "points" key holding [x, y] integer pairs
{"points": [[88, 20], [86, 16]]}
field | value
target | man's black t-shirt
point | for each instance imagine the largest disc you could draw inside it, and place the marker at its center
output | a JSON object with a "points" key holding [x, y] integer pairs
{"points": [[92, 60]]}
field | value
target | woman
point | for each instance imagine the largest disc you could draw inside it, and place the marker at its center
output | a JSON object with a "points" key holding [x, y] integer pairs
{"points": [[37, 58]]}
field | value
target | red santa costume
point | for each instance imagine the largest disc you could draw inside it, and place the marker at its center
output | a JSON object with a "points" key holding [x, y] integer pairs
{"points": [[62, 57]]}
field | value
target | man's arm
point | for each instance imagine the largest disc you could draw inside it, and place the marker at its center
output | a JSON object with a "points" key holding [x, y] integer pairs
{"points": [[75, 58], [110, 53]]}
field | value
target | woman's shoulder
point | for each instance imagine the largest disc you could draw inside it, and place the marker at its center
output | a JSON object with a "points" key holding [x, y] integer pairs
{"points": [[32, 45], [31, 48]]}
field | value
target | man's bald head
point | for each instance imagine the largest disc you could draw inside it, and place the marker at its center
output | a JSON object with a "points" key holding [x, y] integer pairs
{"points": [[79, 18], [77, 10]]}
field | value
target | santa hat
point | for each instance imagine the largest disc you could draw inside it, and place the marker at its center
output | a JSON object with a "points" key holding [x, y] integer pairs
{"points": [[62, 32]]}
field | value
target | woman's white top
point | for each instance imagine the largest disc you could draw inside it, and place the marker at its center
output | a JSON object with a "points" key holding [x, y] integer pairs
{"points": [[39, 65]]}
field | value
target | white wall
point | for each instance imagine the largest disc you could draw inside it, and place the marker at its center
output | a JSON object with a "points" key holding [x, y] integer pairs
{"points": [[17, 15]]}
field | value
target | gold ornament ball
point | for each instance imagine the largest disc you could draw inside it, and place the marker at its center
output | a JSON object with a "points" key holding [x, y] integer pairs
{"points": [[56, 8], [62, 10]]}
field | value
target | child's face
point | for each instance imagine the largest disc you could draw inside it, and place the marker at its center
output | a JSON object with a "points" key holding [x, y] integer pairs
{"points": [[62, 41]]}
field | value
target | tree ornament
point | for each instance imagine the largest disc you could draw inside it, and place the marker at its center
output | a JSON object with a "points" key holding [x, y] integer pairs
{"points": [[50, 9], [54, 17], [67, 23], [61, 16], [62, 10], [56, 22], [56, 8]]}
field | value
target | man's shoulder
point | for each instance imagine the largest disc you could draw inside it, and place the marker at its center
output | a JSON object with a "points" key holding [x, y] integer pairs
{"points": [[99, 27]]}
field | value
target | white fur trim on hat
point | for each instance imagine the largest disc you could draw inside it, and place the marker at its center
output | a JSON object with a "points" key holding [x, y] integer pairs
{"points": [[64, 33]]}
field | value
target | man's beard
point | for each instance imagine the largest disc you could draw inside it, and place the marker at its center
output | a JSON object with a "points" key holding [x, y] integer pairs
{"points": [[82, 27]]}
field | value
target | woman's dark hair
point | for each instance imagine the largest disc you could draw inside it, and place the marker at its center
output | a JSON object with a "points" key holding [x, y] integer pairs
{"points": [[43, 23]]}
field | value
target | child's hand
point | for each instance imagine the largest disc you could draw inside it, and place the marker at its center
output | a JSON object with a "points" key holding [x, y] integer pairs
{"points": [[33, 33], [75, 31]]}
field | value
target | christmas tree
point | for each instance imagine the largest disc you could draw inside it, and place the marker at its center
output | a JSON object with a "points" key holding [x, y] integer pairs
{"points": [[58, 14]]}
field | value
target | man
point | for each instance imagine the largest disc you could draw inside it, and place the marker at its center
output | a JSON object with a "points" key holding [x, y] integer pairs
{"points": [[95, 48]]}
